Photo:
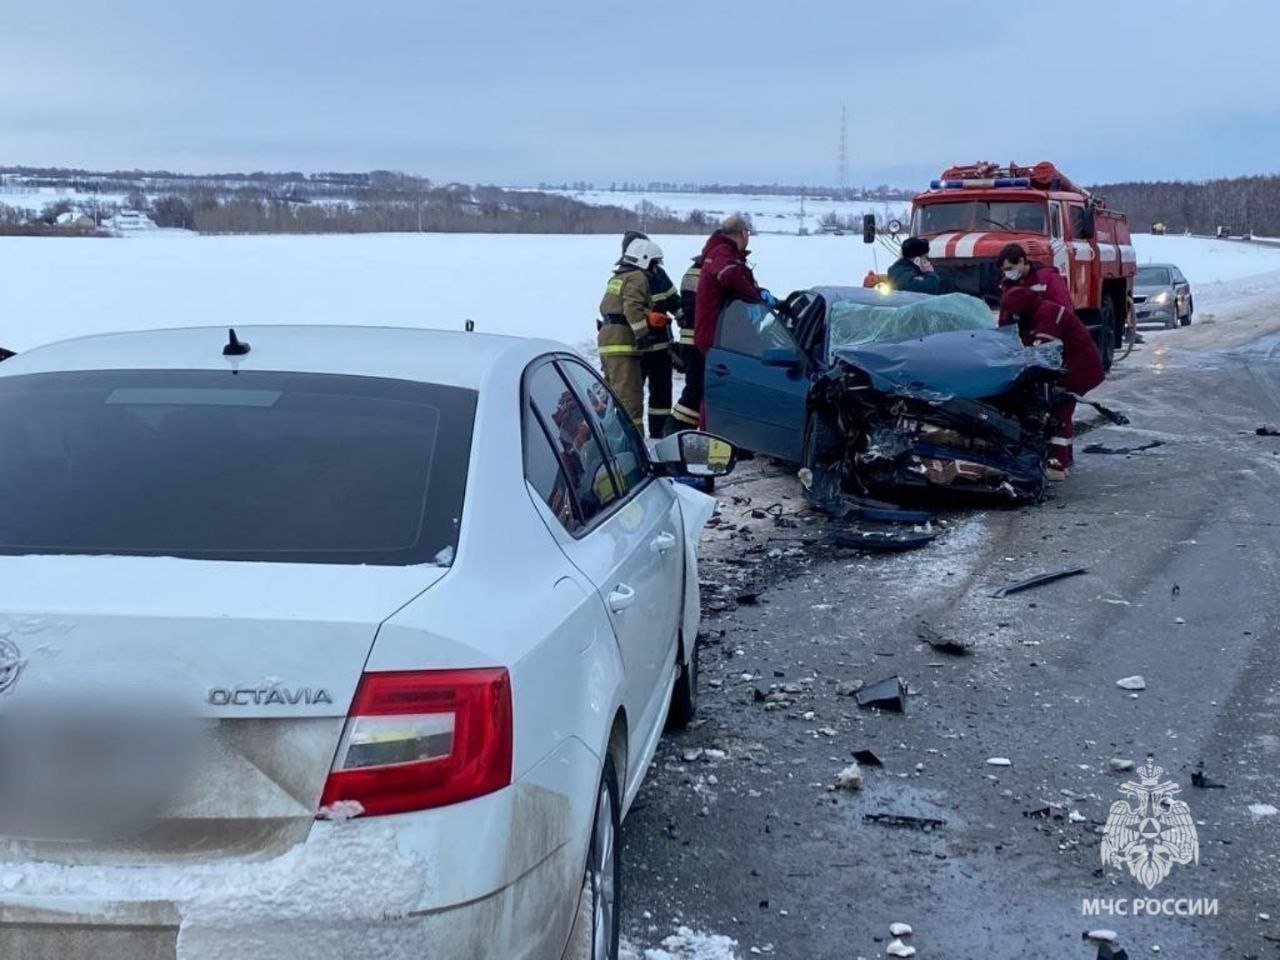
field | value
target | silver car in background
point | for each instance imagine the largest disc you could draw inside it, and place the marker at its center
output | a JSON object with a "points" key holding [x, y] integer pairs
{"points": [[1161, 294]]}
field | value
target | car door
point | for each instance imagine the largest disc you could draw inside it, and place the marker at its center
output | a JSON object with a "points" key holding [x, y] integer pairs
{"points": [[753, 404], [627, 539], [1181, 292]]}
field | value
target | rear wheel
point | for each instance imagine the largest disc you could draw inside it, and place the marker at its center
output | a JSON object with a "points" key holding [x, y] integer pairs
{"points": [[604, 869], [1191, 308]]}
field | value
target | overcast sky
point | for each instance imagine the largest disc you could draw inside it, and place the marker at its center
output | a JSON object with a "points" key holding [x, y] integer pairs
{"points": [[520, 92]]}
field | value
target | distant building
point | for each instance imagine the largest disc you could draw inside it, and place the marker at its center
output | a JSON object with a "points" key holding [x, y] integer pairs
{"points": [[131, 221], [75, 220]]}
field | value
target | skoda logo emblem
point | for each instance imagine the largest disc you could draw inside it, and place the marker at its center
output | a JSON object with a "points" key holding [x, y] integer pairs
{"points": [[10, 664]]}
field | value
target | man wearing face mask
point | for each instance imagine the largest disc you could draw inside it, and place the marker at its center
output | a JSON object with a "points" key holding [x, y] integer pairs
{"points": [[1018, 271], [1040, 321]]}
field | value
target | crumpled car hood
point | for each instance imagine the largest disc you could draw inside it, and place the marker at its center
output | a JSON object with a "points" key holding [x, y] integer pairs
{"points": [[973, 364]]}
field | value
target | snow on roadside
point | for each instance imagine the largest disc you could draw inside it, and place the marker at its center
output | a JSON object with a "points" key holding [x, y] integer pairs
{"points": [[685, 944], [524, 285]]}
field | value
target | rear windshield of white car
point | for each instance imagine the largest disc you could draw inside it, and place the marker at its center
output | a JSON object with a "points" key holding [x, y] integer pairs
{"points": [[255, 465]]}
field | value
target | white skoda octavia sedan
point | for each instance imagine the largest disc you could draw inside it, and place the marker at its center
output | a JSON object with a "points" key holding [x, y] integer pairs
{"points": [[330, 642]]}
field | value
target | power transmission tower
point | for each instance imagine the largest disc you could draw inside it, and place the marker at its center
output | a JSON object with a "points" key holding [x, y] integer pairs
{"points": [[842, 158]]}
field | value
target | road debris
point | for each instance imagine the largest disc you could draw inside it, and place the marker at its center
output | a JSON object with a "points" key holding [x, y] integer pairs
{"points": [[1101, 936], [1198, 779], [1266, 430], [1120, 764], [850, 778], [999, 762], [883, 541], [926, 824], [940, 643], [900, 930], [1102, 448], [1263, 809], [897, 948], [1039, 580], [847, 688], [1048, 811], [867, 758], [1136, 682], [888, 694]]}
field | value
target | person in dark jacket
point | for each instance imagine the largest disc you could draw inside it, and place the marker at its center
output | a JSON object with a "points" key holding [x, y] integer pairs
{"points": [[1040, 320], [725, 276], [1016, 270], [912, 271], [688, 408]]}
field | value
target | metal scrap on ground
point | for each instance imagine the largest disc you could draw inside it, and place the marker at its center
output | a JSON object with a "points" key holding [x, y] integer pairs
{"points": [[888, 694], [1039, 580], [940, 643]]}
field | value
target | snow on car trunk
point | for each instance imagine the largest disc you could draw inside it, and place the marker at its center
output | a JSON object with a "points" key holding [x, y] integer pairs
{"points": [[178, 710]]}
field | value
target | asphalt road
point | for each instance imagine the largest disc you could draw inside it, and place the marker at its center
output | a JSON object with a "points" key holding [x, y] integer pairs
{"points": [[1181, 545]]}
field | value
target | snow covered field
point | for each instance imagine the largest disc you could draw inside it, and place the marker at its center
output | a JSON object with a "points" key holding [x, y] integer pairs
{"points": [[771, 214], [524, 285]]}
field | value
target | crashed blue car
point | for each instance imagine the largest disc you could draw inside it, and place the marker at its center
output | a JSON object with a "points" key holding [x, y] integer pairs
{"points": [[884, 394]]}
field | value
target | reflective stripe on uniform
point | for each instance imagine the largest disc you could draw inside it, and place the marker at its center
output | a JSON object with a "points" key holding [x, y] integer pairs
{"points": [[614, 285], [1061, 442], [659, 411], [686, 336], [684, 414], [621, 349]]}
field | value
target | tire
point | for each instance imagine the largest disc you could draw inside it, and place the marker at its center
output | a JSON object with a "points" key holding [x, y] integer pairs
{"points": [[603, 879], [684, 697], [1191, 308]]}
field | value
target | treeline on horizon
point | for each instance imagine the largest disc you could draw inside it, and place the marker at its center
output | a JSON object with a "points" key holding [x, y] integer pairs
{"points": [[1241, 204]]}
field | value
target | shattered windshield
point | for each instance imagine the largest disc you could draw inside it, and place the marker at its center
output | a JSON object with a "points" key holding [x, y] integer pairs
{"points": [[1020, 216], [851, 323]]}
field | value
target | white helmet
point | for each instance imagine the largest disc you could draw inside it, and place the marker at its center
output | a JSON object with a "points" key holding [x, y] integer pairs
{"points": [[642, 254]]}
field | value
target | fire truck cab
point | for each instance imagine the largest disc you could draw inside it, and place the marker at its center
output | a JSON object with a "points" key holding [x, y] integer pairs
{"points": [[971, 212]]}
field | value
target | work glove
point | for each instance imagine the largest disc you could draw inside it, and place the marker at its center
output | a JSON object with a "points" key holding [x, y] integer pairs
{"points": [[769, 299], [658, 319]]}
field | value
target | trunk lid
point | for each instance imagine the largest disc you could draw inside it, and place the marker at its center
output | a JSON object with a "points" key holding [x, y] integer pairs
{"points": [[154, 709]]}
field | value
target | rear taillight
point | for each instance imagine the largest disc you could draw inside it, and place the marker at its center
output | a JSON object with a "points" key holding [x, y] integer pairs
{"points": [[422, 739]]}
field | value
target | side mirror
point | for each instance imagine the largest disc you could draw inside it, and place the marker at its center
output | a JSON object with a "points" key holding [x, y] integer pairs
{"points": [[779, 357], [693, 453], [868, 228]]}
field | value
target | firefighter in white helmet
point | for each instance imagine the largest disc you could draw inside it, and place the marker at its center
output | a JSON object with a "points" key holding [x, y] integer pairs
{"points": [[634, 338]]}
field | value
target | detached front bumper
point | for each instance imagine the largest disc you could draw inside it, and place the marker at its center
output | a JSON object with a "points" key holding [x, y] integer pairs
{"points": [[497, 877]]}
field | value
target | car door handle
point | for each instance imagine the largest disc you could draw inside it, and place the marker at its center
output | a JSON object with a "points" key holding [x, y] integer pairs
{"points": [[662, 542], [720, 370], [621, 598]]}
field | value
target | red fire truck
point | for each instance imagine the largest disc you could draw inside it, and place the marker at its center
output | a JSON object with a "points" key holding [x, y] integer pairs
{"points": [[972, 211]]}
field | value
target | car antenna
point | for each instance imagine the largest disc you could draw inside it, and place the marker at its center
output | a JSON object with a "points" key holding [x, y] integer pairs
{"points": [[235, 347]]}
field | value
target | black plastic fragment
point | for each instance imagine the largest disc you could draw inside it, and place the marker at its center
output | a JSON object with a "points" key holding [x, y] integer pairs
{"points": [[882, 541], [1266, 430], [867, 758], [1198, 779], [1039, 580], [1102, 448], [887, 694], [902, 820], [878, 510]]}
